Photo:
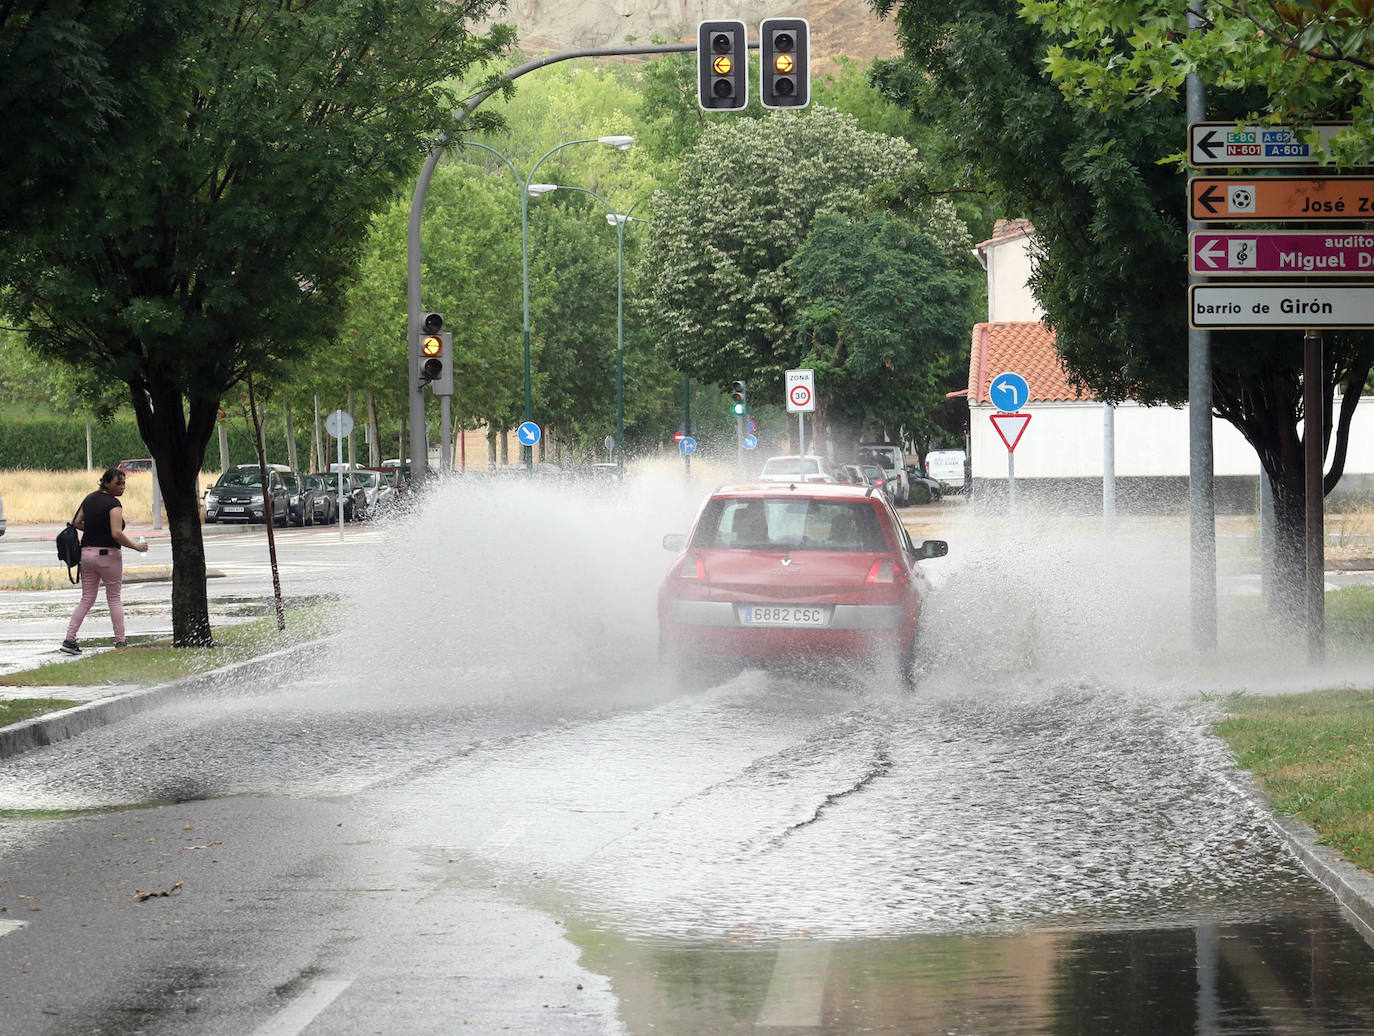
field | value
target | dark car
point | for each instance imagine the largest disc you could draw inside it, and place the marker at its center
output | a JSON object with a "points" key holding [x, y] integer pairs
{"points": [[924, 489], [324, 501], [238, 497], [302, 498], [794, 571], [354, 495]]}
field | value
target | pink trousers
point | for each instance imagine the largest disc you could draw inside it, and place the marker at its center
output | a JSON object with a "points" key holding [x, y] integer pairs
{"points": [[97, 568]]}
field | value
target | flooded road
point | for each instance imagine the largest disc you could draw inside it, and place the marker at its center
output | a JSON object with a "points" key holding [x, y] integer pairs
{"points": [[536, 832]]}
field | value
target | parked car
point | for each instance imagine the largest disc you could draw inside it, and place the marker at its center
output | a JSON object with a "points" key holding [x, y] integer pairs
{"points": [[924, 489], [892, 459], [798, 468], [379, 487], [302, 498], [803, 570], [949, 468], [138, 464], [2, 516], [238, 497], [875, 476], [354, 496], [323, 499]]}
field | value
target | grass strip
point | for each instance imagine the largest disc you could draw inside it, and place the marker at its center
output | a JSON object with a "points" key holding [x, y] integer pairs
{"points": [[156, 662], [1313, 754], [20, 709], [55, 578]]}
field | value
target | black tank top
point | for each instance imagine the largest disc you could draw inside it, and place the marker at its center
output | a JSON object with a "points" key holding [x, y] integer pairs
{"points": [[97, 508]]}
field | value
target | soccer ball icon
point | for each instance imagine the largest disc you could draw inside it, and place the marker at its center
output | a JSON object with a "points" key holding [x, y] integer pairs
{"points": [[1241, 199]]}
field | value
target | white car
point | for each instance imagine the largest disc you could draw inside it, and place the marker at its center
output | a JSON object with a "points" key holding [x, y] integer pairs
{"points": [[380, 492], [798, 468], [947, 467]]}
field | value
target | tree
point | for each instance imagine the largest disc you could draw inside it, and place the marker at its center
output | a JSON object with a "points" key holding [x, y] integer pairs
{"points": [[720, 295], [245, 161], [1109, 231], [881, 317]]}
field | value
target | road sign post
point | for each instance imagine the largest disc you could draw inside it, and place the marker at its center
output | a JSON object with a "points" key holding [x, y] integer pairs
{"points": [[799, 386], [1226, 144], [1010, 427]]}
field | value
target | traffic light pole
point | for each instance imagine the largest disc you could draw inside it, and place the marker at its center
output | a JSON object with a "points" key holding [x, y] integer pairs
{"points": [[418, 449]]}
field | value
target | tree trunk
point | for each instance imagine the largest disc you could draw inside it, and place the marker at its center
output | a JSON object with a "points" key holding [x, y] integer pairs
{"points": [[291, 451], [374, 439], [90, 446], [317, 457], [352, 451]]}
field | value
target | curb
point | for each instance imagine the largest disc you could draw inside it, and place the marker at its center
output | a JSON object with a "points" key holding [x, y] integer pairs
{"points": [[41, 731], [1352, 887]]}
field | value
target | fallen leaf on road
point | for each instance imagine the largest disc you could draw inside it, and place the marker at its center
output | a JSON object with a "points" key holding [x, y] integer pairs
{"points": [[152, 895]]}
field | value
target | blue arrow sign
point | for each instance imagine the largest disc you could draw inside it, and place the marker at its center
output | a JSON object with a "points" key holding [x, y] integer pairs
{"points": [[749, 441], [1009, 392], [528, 433], [688, 445]]}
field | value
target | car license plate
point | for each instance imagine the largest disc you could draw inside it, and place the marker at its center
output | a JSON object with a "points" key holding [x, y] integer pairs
{"points": [[784, 615], [231, 508]]}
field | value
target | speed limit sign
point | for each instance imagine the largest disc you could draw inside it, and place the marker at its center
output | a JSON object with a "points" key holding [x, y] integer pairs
{"points": [[801, 391]]}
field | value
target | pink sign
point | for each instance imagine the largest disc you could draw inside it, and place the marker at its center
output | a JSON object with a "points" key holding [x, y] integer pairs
{"points": [[1260, 253]]}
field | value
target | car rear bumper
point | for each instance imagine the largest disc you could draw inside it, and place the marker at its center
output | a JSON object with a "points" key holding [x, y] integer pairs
{"points": [[853, 631]]}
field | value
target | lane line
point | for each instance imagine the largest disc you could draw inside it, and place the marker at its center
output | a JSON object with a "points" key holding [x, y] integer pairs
{"points": [[6, 927], [304, 1009]]}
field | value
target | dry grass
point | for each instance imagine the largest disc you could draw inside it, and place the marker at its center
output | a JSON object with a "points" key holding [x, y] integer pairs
{"points": [[35, 497]]}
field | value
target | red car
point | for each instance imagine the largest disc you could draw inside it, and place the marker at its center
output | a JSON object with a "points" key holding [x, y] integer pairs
{"points": [[794, 571]]}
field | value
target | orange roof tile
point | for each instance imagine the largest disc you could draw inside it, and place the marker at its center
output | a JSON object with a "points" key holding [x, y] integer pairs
{"points": [[1006, 230], [1025, 347]]}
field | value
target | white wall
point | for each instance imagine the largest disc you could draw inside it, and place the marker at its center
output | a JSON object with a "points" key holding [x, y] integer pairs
{"points": [[1009, 268], [1065, 440]]}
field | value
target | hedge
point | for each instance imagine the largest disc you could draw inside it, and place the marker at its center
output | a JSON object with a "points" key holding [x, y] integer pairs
{"points": [[59, 444]]}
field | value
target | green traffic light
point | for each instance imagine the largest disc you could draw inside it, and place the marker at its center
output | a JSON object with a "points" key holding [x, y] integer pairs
{"points": [[738, 409]]}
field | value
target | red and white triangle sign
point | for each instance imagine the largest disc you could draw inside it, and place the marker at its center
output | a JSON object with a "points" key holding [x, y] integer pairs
{"points": [[1011, 427]]}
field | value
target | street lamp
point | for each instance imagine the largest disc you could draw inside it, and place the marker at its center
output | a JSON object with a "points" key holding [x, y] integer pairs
{"points": [[528, 189], [617, 220]]}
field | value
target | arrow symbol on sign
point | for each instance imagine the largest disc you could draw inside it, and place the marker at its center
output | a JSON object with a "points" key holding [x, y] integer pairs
{"points": [[1208, 200], [1209, 255], [1208, 144]]}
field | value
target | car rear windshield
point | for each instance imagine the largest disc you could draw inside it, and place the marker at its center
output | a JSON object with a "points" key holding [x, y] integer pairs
{"points": [[787, 523], [882, 458]]}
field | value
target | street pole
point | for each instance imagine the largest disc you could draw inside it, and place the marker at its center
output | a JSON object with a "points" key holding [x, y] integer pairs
{"points": [[1314, 458]]}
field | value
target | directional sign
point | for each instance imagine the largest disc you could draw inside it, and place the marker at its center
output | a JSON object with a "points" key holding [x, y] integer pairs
{"points": [[800, 388], [528, 433], [749, 442], [688, 445], [1225, 143], [1233, 199], [1260, 253], [1011, 427], [1009, 392], [1278, 306]]}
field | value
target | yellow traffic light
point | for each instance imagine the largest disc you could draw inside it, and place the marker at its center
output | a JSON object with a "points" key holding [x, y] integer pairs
{"points": [[785, 64], [431, 345], [721, 65]]}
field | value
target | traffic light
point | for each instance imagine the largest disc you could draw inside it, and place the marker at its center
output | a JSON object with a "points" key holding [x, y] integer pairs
{"points": [[741, 405], [436, 356], [722, 65], [785, 80]]}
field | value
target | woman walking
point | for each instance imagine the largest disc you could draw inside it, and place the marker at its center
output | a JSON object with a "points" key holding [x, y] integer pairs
{"points": [[101, 521]]}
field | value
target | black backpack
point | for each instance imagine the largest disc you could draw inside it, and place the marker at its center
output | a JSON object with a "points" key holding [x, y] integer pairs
{"points": [[69, 549]]}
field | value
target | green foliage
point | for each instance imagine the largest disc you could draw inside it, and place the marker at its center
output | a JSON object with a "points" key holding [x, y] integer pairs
{"points": [[881, 314], [720, 294], [214, 232]]}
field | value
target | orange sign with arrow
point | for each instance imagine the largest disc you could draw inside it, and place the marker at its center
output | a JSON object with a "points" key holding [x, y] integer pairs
{"points": [[1229, 199]]}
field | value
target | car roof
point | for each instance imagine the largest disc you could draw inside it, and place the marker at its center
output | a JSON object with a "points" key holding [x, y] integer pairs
{"points": [[810, 490]]}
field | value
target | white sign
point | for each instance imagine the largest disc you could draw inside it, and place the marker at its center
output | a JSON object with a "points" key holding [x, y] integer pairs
{"points": [[1294, 306], [800, 387], [1225, 143], [339, 424]]}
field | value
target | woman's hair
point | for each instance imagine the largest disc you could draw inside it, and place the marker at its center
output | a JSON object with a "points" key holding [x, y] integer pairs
{"points": [[109, 476]]}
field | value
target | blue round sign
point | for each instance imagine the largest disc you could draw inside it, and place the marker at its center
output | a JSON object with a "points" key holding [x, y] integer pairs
{"points": [[749, 441], [1008, 392], [687, 445], [528, 433]]}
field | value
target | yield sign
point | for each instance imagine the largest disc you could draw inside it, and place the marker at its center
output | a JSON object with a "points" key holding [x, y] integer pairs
{"points": [[1011, 425]]}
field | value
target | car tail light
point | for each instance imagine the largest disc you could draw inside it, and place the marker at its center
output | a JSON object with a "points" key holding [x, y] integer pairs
{"points": [[878, 482], [885, 572], [691, 567]]}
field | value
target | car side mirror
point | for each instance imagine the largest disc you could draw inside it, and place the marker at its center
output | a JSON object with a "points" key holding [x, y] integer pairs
{"points": [[674, 541], [933, 549]]}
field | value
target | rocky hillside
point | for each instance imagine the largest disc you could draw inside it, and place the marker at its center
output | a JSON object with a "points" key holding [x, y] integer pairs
{"points": [[847, 27]]}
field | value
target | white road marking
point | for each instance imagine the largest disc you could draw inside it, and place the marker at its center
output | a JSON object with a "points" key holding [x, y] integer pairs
{"points": [[11, 926], [797, 989], [304, 1009], [504, 837]]}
